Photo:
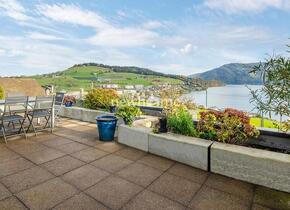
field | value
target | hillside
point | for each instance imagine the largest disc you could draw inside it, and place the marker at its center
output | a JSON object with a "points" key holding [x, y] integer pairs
{"points": [[82, 75], [21, 86], [234, 73]]}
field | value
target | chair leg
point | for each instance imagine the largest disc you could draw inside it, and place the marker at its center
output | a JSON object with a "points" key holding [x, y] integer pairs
{"points": [[28, 128], [21, 127], [47, 121], [47, 118], [3, 132], [31, 125]]}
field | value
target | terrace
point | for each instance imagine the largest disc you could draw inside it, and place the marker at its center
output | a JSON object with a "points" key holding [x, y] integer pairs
{"points": [[71, 169]]}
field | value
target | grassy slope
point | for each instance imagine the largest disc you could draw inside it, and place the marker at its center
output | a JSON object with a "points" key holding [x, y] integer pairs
{"points": [[81, 77]]}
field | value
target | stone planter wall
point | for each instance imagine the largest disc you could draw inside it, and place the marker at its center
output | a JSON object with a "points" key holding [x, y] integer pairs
{"points": [[270, 169], [188, 150], [136, 137], [83, 114]]}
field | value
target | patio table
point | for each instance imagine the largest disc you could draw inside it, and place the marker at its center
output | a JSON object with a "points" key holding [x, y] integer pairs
{"points": [[32, 100]]}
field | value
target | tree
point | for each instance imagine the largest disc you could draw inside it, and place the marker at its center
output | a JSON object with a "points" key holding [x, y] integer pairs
{"points": [[274, 96], [2, 93]]}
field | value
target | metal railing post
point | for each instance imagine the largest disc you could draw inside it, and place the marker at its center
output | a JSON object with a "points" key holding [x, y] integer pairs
{"points": [[262, 120]]}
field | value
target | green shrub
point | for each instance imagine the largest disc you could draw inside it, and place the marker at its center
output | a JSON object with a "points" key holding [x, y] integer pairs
{"points": [[128, 113], [100, 98], [181, 122], [2, 94], [228, 126]]}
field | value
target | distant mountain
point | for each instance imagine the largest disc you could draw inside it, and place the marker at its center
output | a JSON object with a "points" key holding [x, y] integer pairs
{"points": [[131, 69], [233, 73]]}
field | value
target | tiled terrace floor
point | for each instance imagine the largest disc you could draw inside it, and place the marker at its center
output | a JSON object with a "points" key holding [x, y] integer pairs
{"points": [[71, 169]]}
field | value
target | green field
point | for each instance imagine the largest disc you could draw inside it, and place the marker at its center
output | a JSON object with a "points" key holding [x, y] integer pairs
{"points": [[267, 123], [81, 77]]}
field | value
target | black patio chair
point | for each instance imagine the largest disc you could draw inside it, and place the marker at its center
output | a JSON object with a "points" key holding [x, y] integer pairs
{"points": [[42, 108], [15, 111], [58, 104]]}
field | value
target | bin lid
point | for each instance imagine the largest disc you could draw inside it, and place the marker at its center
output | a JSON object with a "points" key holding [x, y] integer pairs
{"points": [[106, 118]]}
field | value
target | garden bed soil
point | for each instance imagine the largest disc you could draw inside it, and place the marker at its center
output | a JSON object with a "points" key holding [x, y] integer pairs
{"points": [[272, 141]]}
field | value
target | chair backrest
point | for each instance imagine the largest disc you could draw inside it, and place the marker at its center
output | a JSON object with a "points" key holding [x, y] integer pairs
{"points": [[15, 105], [14, 94], [44, 102], [59, 97]]}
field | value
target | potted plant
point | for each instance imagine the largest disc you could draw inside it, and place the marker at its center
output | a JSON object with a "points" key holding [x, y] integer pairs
{"points": [[171, 102], [128, 113], [112, 108], [162, 124], [69, 100], [106, 126]]}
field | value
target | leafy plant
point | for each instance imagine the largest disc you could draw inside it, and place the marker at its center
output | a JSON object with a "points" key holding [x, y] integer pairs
{"points": [[171, 100], [181, 122], [100, 98], [128, 113], [2, 94], [69, 99], [228, 126], [274, 96], [207, 124]]}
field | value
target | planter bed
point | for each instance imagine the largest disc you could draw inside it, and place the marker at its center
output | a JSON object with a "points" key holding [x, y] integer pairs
{"points": [[272, 140], [82, 114], [267, 168], [136, 137], [188, 150]]}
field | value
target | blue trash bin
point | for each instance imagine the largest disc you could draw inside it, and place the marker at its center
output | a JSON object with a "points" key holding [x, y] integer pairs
{"points": [[106, 126]]}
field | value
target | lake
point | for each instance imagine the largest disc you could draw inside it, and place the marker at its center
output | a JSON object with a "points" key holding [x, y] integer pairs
{"points": [[229, 96]]}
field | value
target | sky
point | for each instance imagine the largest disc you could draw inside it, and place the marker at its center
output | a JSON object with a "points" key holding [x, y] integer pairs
{"points": [[172, 36]]}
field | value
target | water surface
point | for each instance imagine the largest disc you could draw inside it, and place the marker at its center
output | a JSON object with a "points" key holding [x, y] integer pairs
{"points": [[229, 96]]}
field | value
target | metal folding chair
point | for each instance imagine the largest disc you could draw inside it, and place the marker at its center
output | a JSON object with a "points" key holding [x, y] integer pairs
{"points": [[15, 111], [58, 104], [42, 108]]}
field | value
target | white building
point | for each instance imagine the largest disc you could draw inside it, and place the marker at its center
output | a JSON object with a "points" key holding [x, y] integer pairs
{"points": [[139, 87], [129, 87]]}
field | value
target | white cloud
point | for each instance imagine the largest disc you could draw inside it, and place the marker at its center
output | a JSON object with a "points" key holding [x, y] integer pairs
{"points": [[153, 24], [174, 68], [123, 37], [121, 13], [13, 9], [187, 49], [239, 57], [238, 6], [72, 14], [244, 33], [2, 52], [41, 36], [107, 34], [38, 56]]}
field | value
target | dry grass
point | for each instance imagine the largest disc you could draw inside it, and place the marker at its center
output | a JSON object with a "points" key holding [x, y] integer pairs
{"points": [[21, 86]]}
